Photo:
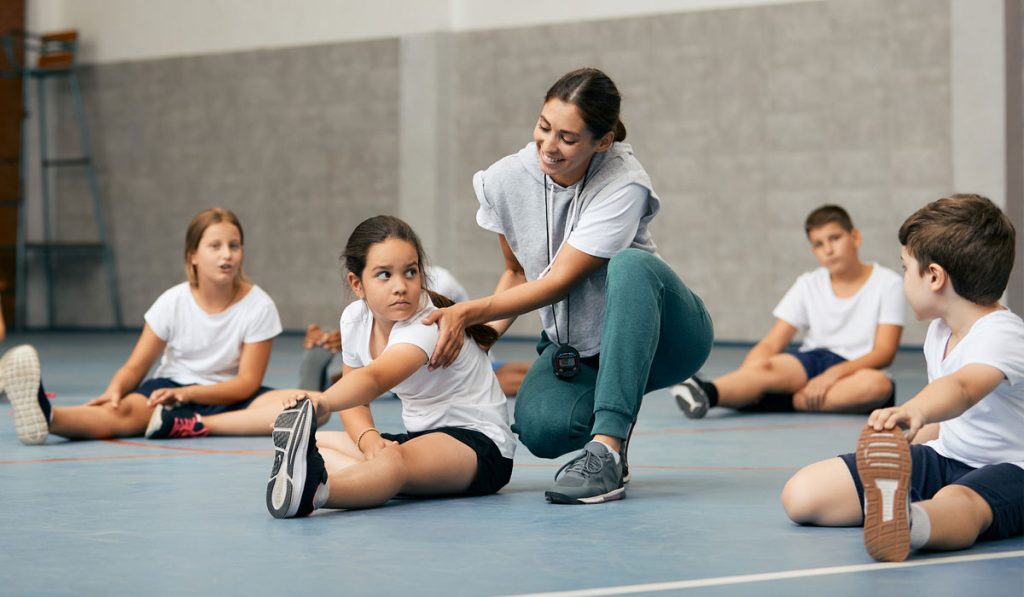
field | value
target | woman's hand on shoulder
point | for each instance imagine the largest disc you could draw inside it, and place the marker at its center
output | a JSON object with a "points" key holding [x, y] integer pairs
{"points": [[451, 324]]}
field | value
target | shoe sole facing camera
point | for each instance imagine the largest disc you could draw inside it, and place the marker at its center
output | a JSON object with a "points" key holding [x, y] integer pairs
{"points": [[288, 477], [156, 422], [21, 374], [884, 466], [686, 398]]}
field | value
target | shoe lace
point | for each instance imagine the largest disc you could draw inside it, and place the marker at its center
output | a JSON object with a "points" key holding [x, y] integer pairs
{"points": [[585, 465]]}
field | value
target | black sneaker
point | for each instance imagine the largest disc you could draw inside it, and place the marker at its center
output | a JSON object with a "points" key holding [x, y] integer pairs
{"points": [[168, 423], [592, 477], [21, 374], [691, 398], [298, 473]]}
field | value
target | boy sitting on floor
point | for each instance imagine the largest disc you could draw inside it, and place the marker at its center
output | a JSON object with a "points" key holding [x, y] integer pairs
{"points": [[969, 483], [853, 316]]}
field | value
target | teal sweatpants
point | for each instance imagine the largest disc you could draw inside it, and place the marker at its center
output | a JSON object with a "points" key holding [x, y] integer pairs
{"points": [[656, 333]]}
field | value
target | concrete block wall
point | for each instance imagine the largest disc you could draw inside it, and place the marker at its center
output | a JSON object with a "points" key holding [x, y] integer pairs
{"points": [[746, 118]]}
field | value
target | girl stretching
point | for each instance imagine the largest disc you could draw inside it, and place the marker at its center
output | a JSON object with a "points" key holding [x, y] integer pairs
{"points": [[214, 332], [458, 440]]}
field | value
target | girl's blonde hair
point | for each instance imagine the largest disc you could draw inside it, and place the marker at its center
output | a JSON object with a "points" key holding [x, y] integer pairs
{"points": [[197, 227]]}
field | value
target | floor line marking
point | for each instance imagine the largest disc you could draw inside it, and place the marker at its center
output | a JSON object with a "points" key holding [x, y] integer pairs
{"points": [[781, 426], [678, 468], [769, 576]]}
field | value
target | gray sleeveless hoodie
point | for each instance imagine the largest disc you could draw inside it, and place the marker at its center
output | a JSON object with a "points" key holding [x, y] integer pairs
{"points": [[511, 195]]}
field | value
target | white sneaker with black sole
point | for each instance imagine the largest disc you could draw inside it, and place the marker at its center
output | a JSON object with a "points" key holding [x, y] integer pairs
{"points": [[21, 375], [691, 398], [298, 476]]}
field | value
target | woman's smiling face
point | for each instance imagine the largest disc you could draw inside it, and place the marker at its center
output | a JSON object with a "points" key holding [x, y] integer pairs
{"points": [[565, 145]]}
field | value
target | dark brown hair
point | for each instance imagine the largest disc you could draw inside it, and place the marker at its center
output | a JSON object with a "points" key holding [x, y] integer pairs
{"points": [[970, 238], [380, 228], [596, 97], [825, 215], [194, 235]]}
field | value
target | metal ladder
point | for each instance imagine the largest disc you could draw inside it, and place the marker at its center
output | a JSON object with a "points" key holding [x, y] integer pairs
{"points": [[54, 58]]}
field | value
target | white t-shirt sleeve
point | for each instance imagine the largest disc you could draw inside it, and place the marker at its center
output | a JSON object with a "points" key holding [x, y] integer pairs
{"points": [[486, 217], [893, 308], [414, 332], [160, 316], [264, 324], [610, 225], [442, 281], [352, 335], [793, 308], [1000, 346]]}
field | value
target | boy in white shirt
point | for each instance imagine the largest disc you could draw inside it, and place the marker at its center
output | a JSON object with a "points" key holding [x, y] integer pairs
{"points": [[968, 484], [852, 313]]}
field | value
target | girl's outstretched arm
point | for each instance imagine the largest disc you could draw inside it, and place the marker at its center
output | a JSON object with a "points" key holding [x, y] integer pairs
{"points": [[359, 386], [127, 378], [251, 367]]}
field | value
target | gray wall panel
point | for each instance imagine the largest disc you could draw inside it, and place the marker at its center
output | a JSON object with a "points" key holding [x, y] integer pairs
{"points": [[746, 118]]}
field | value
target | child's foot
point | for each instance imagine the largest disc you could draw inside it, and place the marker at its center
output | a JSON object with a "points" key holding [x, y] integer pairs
{"points": [[883, 463], [592, 477], [691, 398], [168, 423], [20, 373], [298, 480]]}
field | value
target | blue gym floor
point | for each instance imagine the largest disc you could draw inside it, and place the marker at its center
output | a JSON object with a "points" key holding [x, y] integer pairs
{"points": [[702, 514]]}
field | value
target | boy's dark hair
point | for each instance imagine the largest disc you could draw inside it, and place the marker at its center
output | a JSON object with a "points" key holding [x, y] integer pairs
{"points": [[380, 228], [825, 215], [970, 237]]}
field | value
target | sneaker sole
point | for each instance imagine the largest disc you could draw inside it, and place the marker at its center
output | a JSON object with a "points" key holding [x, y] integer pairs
{"points": [[691, 410], [156, 421], [560, 498], [884, 466], [291, 439], [21, 373]]}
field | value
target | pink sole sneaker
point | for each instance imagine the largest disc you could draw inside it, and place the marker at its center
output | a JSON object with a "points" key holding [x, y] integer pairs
{"points": [[883, 462]]}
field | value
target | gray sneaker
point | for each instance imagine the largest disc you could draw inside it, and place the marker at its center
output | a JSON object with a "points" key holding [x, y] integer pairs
{"points": [[592, 477], [691, 398]]}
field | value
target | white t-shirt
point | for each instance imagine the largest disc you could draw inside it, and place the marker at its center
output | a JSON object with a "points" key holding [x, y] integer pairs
{"points": [[845, 326], [466, 394], [204, 348], [443, 282], [991, 431]]}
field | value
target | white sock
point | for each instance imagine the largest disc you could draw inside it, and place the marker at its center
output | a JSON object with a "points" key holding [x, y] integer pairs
{"points": [[920, 527], [320, 497], [615, 453]]}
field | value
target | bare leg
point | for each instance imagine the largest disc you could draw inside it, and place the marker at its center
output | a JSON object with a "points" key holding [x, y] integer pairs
{"points": [[860, 392], [823, 494], [957, 515], [510, 376], [746, 385], [129, 419], [257, 418], [432, 464]]}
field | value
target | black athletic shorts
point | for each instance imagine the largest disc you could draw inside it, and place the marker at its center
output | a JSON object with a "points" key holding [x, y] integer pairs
{"points": [[493, 470]]}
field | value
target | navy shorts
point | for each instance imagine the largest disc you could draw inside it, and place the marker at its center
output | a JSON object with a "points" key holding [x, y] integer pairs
{"points": [[814, 362], [1000, 485], [493, 470], [156, 383]]}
